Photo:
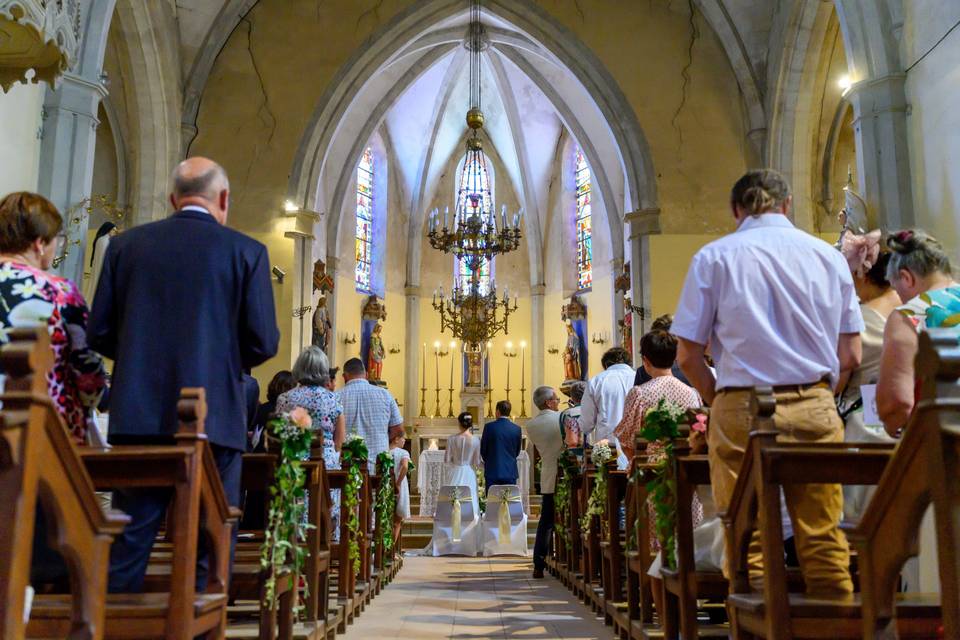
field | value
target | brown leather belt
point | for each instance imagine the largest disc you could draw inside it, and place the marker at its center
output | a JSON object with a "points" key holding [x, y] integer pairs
{"points": [[785, 388]]}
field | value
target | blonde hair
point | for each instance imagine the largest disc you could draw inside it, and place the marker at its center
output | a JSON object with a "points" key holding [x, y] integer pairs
{"points": [[760, 191]]}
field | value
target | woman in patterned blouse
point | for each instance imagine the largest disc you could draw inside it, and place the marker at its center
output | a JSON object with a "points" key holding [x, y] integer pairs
{"points": [[30, 228]]}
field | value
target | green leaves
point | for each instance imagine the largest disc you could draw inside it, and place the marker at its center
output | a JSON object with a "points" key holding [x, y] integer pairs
{"points": [[385, 504]]}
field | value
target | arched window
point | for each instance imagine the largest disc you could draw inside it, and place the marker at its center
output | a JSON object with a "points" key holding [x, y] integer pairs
{"points": [[474, 197], [583, 222], [364, 241]]}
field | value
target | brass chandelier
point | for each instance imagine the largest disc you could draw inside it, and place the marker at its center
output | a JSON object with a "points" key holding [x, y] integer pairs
{"points": [[474, 313]]}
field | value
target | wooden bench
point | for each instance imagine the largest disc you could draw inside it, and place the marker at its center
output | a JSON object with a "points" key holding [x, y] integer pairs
{"points": [[639, 558], [319, 548], [923, 472], [40, 470], [613, 559], [590, 560], [198, 504], [767, 466]]}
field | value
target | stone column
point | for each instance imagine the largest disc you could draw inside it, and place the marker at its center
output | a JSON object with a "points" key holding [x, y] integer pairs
{"points": [[66, 156], [537, 350], [616, 268], [643, 224], [412, 344], [302, 278], [883, 158]]}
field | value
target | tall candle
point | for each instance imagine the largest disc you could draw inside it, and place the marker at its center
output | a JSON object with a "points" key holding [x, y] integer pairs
{"points": [[436, 358], [423, 367], [452, 358], [523, 363]]}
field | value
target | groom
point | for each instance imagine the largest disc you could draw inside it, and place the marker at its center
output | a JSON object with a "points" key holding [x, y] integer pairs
{"points": [[499, 448]]}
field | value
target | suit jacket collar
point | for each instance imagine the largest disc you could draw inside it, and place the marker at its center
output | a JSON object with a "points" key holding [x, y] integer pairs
{"points": [[193, 214]]}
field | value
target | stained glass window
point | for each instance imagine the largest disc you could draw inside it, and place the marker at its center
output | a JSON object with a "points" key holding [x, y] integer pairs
{"points": [[364, 241], [474, 198], [584, 223]]}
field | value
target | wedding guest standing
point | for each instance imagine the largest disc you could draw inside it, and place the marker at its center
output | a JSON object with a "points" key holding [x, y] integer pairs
{"points": [[369, 409], [602, 406], [183, 302], [748, 294], [544, 431], [462, 458], [499, 447], [281, 382]]}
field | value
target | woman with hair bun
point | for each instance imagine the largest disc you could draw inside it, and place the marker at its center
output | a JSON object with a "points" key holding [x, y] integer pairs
{"points": [[922, 275], [462, 459]]}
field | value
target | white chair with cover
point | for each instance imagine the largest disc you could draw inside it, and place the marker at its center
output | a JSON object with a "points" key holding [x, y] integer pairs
{"points": [[456, 526], [504, 522]]}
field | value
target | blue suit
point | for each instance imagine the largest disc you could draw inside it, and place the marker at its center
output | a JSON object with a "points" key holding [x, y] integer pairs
{"points": [[499, 448], [183, 302]]}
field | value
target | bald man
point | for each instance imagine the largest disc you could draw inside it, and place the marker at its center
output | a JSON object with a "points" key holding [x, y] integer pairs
{"points": [[182, 302]]}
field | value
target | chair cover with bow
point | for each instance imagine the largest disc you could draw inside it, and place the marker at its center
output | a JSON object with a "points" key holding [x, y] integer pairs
{"points": [[455, 526], [504, 523]]}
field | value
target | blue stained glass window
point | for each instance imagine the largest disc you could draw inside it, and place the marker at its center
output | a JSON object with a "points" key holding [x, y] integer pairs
{"points": [[474, 198], [584, 227], [364, 241]]}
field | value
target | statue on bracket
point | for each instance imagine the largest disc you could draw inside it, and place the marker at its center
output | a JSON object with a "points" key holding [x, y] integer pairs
{"points": [[322, 325], [574, 314], [626, 325], [571, 355], [372, 352]]}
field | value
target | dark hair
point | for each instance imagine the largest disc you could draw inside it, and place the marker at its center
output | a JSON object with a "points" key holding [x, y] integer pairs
{"points": [[332, 372], [504, 408], [24, 217], [465, 419], [760, 191], [104, 229], [660, 348], [877, 275], [577, 390], [615, 355], [663, 323], [281, 383], [918, 252], [354, 367]]}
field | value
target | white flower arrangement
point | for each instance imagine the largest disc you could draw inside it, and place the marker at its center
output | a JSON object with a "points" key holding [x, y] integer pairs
{"points": [[601, 453]]}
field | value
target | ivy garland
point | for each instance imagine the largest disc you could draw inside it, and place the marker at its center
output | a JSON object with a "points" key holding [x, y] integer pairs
{"points": [[385, 504], [661, 424], [596, 504], [568, 467], [353, 455], [287, 523], [481, 491]]}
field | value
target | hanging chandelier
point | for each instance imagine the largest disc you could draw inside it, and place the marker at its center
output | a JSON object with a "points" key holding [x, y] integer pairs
{"points": [[476, 233]]}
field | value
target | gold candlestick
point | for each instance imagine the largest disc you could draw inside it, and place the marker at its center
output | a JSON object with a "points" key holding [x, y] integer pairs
{"points": [[523, 379], [438, 353], [486, 355], [509, 354], [423, 381], [453, 345]]}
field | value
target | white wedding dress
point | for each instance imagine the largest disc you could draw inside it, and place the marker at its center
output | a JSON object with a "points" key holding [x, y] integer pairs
{"points": [[462, 457]]}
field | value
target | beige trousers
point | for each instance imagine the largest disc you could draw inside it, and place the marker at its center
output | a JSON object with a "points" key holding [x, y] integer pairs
{"points": [[807, 415]]}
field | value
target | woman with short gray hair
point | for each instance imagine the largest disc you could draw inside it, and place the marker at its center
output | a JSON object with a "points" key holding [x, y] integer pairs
{"points": [[922, 275], [311, 371]]}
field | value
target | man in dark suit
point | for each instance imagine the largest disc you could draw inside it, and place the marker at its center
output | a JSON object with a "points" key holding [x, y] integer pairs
{"points": [[499, 448], [183, 302]]}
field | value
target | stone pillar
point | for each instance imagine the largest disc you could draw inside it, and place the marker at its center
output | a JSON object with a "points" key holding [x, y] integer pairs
{"points": [[643, 224], [412, 347], [66, 156], [883, 158], [537, 349], [302, 278], [616, 268]]}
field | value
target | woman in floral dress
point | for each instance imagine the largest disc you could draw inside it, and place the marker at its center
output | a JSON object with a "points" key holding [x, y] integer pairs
{"points": [[311, 371], [30, 229]]}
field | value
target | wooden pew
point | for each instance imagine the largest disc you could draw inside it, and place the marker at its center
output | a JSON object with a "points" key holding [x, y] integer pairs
{"points": [[319, 547], [590, 561], [923, 472], [40, 469], [340, 553], [188, 468], [767, 466], [612, 551], [639, 558]]}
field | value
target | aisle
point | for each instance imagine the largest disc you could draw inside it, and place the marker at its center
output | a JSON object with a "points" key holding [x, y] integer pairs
{"points": [[474, 598]]}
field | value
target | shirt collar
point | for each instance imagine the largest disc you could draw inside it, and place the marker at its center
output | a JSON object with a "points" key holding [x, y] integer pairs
{"points": [[356, 381], [196, 207], [765, 220]]}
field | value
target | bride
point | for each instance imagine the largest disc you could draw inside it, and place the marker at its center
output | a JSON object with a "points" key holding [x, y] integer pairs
{"points": [[462, 457]]}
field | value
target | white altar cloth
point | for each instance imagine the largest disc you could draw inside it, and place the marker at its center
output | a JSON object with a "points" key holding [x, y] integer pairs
{"points": [[430, 479]]}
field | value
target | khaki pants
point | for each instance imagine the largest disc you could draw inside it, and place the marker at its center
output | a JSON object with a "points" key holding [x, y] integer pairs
{"points": [[807, 415]]}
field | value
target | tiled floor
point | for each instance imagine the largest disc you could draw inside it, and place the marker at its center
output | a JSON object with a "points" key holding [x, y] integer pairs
{"points": [[474, 598]]}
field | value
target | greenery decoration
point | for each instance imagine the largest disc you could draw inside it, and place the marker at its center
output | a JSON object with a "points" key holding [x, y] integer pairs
{"points": [[596, 503], [568, 467], [353, 456], [481, 491], [661, 424], [385, 504], [287, 523]]}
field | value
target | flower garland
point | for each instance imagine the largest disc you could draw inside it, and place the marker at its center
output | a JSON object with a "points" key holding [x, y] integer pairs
{"points": [[353, 454], [287, 523], [568, 467], [481, 491], [385, 504], [661, 424], [600, 455]]}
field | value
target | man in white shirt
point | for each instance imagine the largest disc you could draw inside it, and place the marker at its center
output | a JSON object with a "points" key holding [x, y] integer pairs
{"points": [[544, 431], [602, 406], [779, 309]]}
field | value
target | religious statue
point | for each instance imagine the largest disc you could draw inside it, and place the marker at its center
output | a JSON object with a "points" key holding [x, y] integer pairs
{"points": [[626, 325], [375, 355], [571, 355], [322, 327], [474, 369]]}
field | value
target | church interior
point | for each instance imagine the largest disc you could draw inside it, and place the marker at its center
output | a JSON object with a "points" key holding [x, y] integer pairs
{"points": [[592, 144]]}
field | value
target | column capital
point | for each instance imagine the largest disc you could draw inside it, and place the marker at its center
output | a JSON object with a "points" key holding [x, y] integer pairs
{"points": [[412, 291], [644, 222], [873, 96]]}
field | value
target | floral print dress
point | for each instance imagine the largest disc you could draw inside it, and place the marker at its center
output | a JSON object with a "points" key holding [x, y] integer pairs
{"points": [[324, 408], [29, 298]]}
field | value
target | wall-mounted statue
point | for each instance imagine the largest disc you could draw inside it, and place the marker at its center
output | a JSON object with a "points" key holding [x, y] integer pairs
{"points": [[375, 355], [574, 315], [626, 325], [372, 352], [571, 355], [322, 322]]}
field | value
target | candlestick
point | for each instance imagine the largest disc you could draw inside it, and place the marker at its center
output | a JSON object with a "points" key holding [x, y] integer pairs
{"points": [[436, 359], [453, 345], [509, 354], [423, 381], [523, 379], [489, 380]]}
